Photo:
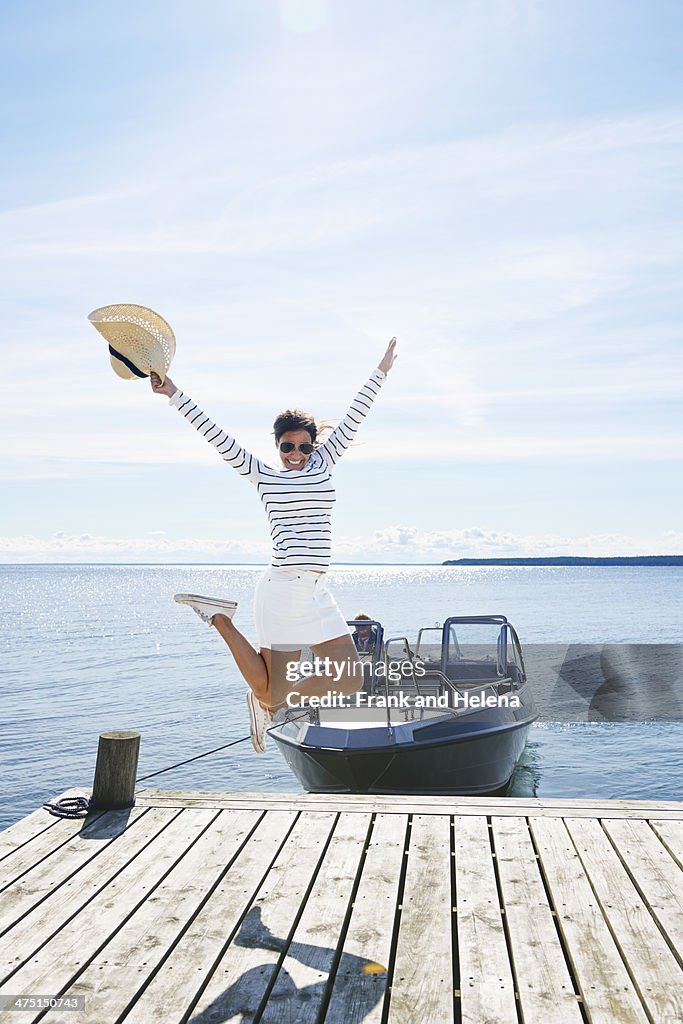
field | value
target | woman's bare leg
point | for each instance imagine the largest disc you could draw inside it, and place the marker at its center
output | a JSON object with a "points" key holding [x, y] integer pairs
{"points": [[346, 670], [278, 663], [250, 662], [266, 670]]}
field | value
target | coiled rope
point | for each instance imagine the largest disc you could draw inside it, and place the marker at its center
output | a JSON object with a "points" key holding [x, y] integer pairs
{"points": [[69, 807]]}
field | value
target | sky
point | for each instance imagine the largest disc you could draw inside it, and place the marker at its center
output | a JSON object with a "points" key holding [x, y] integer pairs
{"points": [[292, 182]]}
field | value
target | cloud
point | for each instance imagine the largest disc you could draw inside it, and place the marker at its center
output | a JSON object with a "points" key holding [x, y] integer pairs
{"points": [[570, 176], [398, 544], [153, 547], [412, 543]]}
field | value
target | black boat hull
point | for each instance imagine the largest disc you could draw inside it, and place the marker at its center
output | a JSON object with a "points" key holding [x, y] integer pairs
{"points": [[471, 764]]}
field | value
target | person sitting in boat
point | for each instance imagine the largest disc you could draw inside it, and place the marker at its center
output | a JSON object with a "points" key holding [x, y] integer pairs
{"points": [[364, 637], [293, 607]]}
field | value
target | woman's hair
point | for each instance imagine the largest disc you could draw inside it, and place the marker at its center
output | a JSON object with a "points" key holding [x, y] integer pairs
{"points": [[294, 419]]}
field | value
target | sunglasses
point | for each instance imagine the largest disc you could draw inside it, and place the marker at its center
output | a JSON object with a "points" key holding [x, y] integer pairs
{"points": [[286, 447]]}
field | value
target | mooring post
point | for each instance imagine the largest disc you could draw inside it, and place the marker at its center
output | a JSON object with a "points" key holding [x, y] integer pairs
{"points": [[115, 771]]}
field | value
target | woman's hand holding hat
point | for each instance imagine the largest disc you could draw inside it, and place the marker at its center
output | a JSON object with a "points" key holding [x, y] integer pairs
{"points": [[160, 387]]}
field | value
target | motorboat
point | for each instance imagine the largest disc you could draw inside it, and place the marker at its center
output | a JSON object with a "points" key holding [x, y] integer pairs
{"points": [[447, 714]]}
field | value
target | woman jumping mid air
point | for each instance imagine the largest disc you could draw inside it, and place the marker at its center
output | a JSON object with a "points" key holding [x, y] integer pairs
{"points": [[292, 606]]}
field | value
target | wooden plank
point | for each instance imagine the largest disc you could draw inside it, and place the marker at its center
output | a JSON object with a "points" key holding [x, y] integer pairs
{"points": [[413, 804], [650, 962], [33, 929], [26, 828], [36, 883], [604, 983], [655, 872], [545, 987], [361, 974], [67, 950], [447, 802], [47, 842], [23, 831], [425, 930], [139, 946], [180, 979], [671, 834], [248, 965], [301, 982], [487, 991]]}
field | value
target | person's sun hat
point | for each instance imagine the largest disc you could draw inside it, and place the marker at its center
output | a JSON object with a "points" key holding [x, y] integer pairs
{"points": [[140, 341]]}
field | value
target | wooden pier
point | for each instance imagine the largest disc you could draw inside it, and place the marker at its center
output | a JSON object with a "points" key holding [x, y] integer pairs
{"points": [[209, 907]]}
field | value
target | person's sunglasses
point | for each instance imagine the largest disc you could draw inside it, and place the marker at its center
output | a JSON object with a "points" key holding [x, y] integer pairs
{"points": [[286, 447]]}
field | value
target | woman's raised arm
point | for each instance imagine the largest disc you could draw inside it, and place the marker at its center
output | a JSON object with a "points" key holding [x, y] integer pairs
{"points": [[342, 436], [226, 446]]}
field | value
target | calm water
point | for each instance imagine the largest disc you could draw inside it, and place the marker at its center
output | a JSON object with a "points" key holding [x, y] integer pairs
{"points": [[90, 648]]}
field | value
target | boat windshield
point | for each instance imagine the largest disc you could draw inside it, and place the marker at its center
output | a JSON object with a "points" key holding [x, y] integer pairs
{"points": [[472, 641]]}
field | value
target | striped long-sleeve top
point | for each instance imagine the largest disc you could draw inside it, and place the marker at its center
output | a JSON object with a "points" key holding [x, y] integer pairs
{"points": [[298, 502]]}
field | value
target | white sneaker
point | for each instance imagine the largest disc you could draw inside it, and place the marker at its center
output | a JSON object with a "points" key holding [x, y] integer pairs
{"points": [[207, 607], [259, 720]]}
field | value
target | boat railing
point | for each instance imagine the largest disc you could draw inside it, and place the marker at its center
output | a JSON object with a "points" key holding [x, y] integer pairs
{"points": [[411, 658], [437, 628], [446, 681], [502, 652], [517, 649]]}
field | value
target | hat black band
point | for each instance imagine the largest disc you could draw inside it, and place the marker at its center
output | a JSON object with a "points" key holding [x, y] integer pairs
{"points": [[126, 362]]}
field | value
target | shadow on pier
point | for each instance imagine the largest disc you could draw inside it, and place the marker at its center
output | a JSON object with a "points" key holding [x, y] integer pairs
{"points": [[282, 996]]}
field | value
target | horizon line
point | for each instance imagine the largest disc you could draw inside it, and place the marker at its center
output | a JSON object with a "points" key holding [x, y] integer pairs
{"points": [[447, 563]]}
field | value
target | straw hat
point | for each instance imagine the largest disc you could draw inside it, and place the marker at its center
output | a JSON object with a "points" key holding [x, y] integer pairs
{"points": [[140, 341]]}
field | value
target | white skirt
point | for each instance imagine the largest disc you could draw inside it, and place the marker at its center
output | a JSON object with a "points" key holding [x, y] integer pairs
{"points": [[293, 609]]}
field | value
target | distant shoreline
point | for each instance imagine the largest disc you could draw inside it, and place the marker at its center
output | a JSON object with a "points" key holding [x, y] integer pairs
{"points": [[648, 560], [560, 560]]}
